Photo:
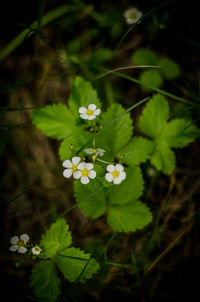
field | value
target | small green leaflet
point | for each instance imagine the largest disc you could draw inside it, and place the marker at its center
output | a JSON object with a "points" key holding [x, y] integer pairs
{"points": [[54, 120], [91, 198], [178, 133], [169, 68], [119, 132], [83, 94], [137, 151], [129, 217], [45, 282], [164, 159], [72, 144], [56, 239], [130, 189], [154, 116], [76, 265]]}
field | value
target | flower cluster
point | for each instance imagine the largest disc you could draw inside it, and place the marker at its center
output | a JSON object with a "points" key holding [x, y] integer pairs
{"points": [[79, 169], [19, 244], [84, 171]]}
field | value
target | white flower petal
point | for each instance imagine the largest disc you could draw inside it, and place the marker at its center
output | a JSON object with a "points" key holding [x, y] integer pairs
{"points": [[91, 117], [109, 177], [81, 166], [97, 112], [67, 164], [14, 240], [92, 107], [84, 116], [110, 168], [122, 175], [92, 174], [36, 250], [89, 166], [67, 173], [77, 174], [84, 180], [13, 248], [88, 151], [76, 160], [119, 167], [82, 110], [24, 237], [117, 180], [100, 152], [22, 250]]}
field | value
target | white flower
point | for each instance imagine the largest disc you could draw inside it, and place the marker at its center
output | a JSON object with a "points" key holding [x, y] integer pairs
{"points": [[94, 151], [85, 172], [71, 166], [90, 113], [115, 173], [36, 250], [132, 15], [18, 243]]}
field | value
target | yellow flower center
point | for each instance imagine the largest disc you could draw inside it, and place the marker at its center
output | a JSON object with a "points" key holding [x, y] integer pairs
{"points": [[85, 172], [74, 168], [21, 243], [89, 112], [37, 249], [94, 151], [133, 16], [115, 173]]}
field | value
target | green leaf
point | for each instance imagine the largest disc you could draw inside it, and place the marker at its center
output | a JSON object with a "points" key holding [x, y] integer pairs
{"points": [[54, 120], [72, 144], [45, 282], [76, 265], [56, 239], [130, 189], [154, 116], [83, 94], [152, 78], [91, 198], [119, 132], [163, 159], [169, 68], [137, 151], [144, 57], [179, 133], [129, 217]]}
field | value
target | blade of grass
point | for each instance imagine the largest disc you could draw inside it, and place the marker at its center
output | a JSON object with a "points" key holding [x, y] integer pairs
{"points": [[49, 17], [39, 23], [173, 96]]}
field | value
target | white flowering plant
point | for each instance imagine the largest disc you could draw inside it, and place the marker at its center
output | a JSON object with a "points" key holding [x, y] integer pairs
{"points": [[102, 155]]}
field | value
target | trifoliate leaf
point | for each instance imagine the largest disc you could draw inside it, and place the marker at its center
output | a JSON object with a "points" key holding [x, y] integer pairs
{"points": [[179, 133], [150, 78], [76, 265], [45, 282], [154, 116], [72, 144], [91, 198], [129, 217], [144, 57], [83, 94], [119, 132], [136, 151], [130, 189], [163, 158], [56, 239], [54, 120], [169, 68]]}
